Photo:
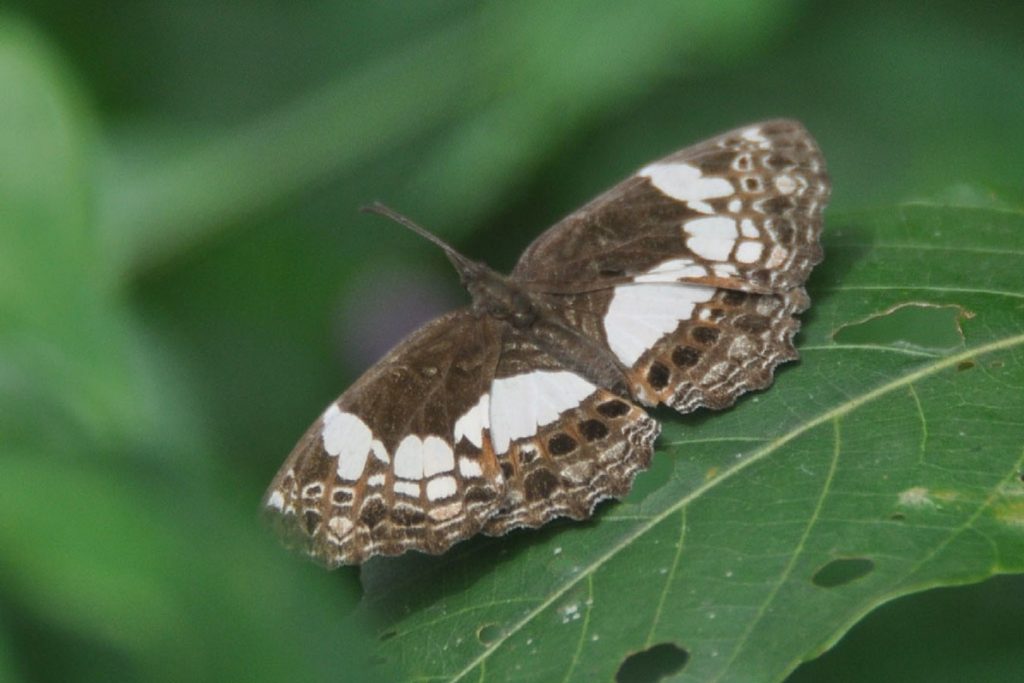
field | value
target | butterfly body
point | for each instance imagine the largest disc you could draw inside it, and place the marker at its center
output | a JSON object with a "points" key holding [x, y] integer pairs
{"points": [[681, 285]]}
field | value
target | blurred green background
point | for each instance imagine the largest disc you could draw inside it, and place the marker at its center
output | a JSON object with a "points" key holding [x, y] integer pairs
{"points": [[185, 281]]}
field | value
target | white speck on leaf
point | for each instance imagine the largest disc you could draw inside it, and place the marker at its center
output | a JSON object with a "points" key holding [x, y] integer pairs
{"points": [[916, 497]]}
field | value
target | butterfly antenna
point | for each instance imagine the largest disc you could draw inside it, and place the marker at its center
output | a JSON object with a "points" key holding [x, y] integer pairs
{"points": [[461, 263]]}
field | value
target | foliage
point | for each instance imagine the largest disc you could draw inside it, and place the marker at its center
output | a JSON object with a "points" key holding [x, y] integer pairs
{"points": [[177, 300]]}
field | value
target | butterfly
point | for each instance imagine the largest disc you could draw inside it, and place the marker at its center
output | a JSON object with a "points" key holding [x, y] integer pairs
{"points": [[678, 286]]}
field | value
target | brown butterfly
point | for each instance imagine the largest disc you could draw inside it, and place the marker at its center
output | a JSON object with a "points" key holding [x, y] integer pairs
{"points": [[680, 285]]}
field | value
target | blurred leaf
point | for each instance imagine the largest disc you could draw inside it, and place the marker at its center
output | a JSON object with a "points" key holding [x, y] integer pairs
{"points": [[162, 203], [507, 80], [564, 64], [119, 540], [869, 471], [71, 371]]}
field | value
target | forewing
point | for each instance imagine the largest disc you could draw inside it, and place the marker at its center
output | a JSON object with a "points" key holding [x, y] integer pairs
{"points": [[402, 460], [562, 443], [741, 211], [691, 272]]}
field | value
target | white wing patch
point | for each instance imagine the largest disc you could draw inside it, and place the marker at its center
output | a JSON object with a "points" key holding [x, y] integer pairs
{"points": [[687, 184], [347, 438], [474, 421], [754, 135], [437, 456], [712, 238], [409, 458], [673, 271], [522, 403], [416, 458], [748, 252], [441, 487], [641, 314], [276, 500]]}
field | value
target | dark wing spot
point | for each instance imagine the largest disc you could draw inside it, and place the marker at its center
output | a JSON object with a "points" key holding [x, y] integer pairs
{"points": [[407, 516], [312, 521], [685, 356], [734, 298], [341, 496], [593, 430], [480, 493], [561, 443], [373, 512], [777, 205], [780, 161], [705, 335], [506, 470], [540, 484], [658, 375], [527, 455], [613, 408], [717, 163], [785, 231], [751, 184], [752, 323]]}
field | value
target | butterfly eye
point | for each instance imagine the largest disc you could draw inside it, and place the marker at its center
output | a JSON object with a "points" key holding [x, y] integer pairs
{"points": [[498, 311]]}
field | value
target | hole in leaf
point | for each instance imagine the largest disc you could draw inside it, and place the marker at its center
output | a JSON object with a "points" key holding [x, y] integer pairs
{"points": [[653, 664], [842, 572], [965, 365], [920, 326], [488, 633], [388, 635]]}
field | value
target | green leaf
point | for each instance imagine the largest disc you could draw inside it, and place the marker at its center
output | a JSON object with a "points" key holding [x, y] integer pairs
{"points": [[872, 469], [120, 548]]}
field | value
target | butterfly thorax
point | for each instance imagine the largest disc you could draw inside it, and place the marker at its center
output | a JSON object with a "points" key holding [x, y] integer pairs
{"points": [[497, 296]]}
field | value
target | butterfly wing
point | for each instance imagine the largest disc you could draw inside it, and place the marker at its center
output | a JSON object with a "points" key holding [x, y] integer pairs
{"points": [[741, 210], [402, 459], [691, 272], [563, 443], [680, 285]]}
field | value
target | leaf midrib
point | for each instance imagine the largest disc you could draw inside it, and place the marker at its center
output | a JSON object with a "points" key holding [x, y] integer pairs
{"points": [[756, 456]]}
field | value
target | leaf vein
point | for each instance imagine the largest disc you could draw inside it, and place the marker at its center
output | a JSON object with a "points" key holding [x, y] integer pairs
{"points": [[758, 455]]}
